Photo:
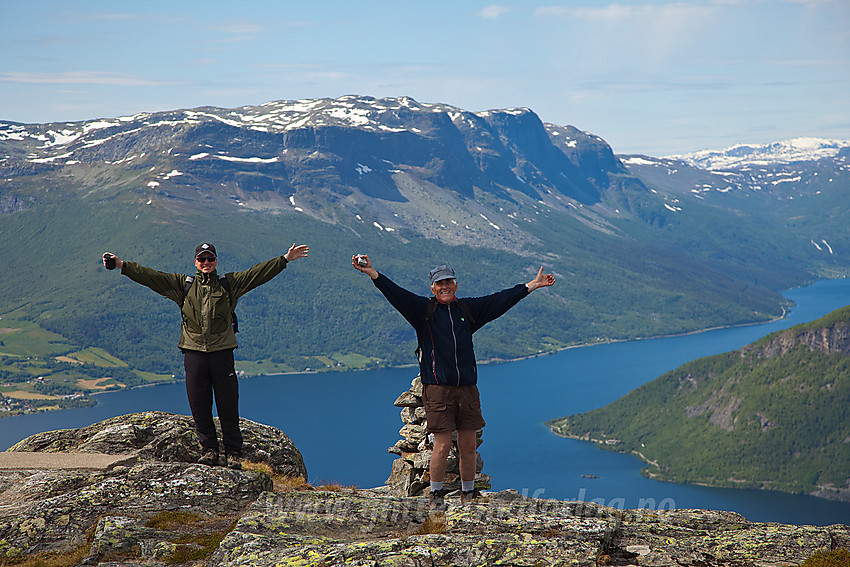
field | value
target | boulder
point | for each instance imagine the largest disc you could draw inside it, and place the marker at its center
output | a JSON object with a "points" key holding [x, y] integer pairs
{"points": [[157, 436], [55, 510]]}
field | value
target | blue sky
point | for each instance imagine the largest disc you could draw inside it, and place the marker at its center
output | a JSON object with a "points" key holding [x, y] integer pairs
{"points": [[649, 77]]}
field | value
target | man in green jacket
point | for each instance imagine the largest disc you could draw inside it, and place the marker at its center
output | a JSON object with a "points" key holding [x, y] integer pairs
{"points": [[207, 337]]}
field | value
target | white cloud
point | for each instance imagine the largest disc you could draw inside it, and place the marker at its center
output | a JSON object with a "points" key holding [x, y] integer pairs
{"points": [[493, 12]]}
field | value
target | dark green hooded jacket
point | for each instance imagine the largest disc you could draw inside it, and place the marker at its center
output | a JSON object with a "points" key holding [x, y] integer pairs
{"points": [[206, 310]]}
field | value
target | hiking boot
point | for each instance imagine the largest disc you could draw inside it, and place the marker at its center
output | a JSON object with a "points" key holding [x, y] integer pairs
{"points": [[469, 496], [233, 461], [437, 500], [209, 458]]}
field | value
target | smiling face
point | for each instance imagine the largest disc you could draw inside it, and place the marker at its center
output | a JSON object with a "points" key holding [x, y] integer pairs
{"points": [[444, 290], [206, 263]]}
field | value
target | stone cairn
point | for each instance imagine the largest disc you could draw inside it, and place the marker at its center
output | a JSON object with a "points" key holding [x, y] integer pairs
{"points": [[410, 475]]}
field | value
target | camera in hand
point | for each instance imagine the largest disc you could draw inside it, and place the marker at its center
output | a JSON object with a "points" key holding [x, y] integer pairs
{"points": [[109, 261], [361, 260]]}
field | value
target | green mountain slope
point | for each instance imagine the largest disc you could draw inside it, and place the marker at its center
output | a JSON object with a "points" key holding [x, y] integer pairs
{"points": [[773, 415]]}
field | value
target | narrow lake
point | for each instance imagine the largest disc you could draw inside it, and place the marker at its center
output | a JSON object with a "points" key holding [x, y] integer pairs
{"points": [[343, 422]]}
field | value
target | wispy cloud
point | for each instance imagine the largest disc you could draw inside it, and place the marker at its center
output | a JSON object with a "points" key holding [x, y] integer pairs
{"points": [[82, 78], [493, 12], [622, 13], [240, 28]]}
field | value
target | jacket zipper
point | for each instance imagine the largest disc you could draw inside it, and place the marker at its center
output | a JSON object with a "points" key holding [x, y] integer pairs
{"points": [[454, 340]]}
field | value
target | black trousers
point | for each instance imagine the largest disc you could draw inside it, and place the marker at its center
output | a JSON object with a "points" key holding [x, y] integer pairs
{"points": [[212, 375]]}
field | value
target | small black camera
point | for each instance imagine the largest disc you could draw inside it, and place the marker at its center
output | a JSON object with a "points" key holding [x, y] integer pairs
{"points": [[109, 261], [361, 260]]}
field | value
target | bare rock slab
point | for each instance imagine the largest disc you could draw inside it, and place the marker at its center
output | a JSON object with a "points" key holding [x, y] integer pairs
{"points": [[23, 460]]}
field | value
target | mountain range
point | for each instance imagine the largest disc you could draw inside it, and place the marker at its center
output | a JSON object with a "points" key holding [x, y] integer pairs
{"points": [[641, 246]]}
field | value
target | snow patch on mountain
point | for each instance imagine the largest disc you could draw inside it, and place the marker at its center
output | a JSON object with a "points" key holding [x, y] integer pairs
{"points": [[788, 151]]}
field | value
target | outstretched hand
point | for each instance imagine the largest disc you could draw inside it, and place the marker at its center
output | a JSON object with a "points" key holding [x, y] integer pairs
{"points": [[296, 252], [118, 263], [542, 280], [365, 267]]}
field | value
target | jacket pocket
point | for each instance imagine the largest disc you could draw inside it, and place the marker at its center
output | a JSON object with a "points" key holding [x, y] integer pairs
{"points": [[220, 313]]}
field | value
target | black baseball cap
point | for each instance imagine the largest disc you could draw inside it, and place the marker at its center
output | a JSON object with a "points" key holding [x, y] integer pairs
{"points": [[205, 247]]}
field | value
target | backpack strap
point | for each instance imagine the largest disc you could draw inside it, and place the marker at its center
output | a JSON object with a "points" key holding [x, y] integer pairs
{"points": [[430, 309], [187, 285]]}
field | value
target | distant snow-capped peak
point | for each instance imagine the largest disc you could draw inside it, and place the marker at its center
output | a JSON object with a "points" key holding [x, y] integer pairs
{"points": [[788, 151]]}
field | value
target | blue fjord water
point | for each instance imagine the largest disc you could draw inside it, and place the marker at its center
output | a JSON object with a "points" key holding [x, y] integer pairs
{"points": [[343, 421]]}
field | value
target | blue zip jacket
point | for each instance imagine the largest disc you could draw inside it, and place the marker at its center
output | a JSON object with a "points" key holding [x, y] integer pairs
{"points": [[447, 355]]}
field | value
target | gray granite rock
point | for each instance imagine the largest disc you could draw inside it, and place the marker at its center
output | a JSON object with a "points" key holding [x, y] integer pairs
{"points": [[166, 437]]}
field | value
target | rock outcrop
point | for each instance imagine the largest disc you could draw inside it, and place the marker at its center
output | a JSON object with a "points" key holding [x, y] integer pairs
{"points": [[57, 510], [410, 475], [504, 528], [831, 339], [157, 436], [165, 510]]}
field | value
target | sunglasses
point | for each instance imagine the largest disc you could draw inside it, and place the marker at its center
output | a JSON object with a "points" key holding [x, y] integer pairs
{"points": [[207, 259]]}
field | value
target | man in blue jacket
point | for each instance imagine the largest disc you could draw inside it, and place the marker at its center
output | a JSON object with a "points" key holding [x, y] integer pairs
{"points": [[444, 326]]}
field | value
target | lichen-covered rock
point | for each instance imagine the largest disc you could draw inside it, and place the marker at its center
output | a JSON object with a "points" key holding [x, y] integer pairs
{"points": [[708, 537], [57, 510], [159, 513], [53, 510], [358, 528], [167, 437]]}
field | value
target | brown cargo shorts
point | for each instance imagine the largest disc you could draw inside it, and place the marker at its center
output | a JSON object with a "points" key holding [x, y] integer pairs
{"points": [[448, 408]]}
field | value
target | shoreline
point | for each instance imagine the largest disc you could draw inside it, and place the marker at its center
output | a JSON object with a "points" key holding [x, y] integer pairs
{"points": [[93, 393], [646, 472]]}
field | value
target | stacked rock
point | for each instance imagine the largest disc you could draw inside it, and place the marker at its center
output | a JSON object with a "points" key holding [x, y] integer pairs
{"points": [[410, 475]]}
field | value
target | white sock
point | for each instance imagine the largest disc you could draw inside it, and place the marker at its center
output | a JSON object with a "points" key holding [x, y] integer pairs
{"points": [[467, 485], [435, 486]]}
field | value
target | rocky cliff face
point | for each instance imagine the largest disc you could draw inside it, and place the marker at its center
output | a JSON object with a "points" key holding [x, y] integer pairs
{"points": [[830, 339], [166, 510]]}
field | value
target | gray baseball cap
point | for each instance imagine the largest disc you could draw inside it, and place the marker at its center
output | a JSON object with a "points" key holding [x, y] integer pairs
{"points": [[441, 273]]}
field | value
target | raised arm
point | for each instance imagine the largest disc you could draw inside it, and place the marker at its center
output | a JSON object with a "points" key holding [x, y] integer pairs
{"points": [[411, 306], [244, 281]]}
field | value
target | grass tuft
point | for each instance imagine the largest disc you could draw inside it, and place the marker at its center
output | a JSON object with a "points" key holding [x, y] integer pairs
{"points": [[835, 558]]}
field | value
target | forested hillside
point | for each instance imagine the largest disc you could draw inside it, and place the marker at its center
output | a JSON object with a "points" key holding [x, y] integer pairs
{"points": [[772, 415]]}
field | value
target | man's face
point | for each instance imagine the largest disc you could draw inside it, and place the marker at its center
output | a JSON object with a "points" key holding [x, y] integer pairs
{"points": [[444, 290], [206, 263]]}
